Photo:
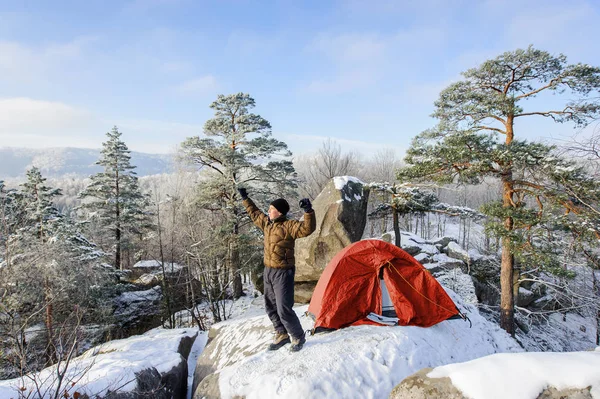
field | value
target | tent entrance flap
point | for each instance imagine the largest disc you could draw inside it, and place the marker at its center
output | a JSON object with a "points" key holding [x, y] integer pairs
{"points": [[387, 306]]}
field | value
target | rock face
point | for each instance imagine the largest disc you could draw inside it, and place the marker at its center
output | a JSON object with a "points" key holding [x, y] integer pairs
{"points": [[419, 386], [170, 384], [220, 353], [341, 211], [138, 311]]}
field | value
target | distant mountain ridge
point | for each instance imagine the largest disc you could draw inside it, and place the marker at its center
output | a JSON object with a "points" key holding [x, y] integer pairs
{"points": [[60, 161]]}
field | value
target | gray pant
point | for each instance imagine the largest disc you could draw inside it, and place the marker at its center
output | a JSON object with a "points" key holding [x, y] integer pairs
{"points": [[279, 300]]}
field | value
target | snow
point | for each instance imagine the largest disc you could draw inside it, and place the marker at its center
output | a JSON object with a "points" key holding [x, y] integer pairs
{"points": [[149, 295], [359, 361], [197, 348], [523, 375], [341, 181], [457, 249], [420, 257], [114, 364], [460, 283], [155, 264]]}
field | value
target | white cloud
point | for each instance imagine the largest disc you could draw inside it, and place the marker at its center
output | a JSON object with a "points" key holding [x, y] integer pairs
{"points": [[31, 116], [26, 122], [362, 60], [203, 85], [554, 26], [26, 63]]}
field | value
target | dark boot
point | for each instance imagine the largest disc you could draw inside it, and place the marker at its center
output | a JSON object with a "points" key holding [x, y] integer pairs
{"points": [[279, 340], [297, 343]]}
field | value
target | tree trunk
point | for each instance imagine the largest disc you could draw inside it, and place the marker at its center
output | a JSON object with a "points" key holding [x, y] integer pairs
{"points": [[235, 265], [596, 286], [397, 235], [507, 310], [50, 354], [118, 225], [165, 280], [118, 247], [234, 254]]}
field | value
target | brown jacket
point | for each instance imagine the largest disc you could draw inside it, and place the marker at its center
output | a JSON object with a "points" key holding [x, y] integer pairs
{"points": [[280, 235]]}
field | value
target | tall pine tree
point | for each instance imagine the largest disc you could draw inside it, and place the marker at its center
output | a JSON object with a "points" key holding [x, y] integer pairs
{"points": [[113, 197], [473, 113], [238, 150]]}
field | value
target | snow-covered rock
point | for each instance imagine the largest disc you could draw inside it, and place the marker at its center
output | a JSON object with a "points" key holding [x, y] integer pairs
{"points": [[359, 361], [155, 266], [136, 364], [455, 251], [341, 213], [509, 375], [138, 310], [460, 283], [443, 241], [525, 297]]}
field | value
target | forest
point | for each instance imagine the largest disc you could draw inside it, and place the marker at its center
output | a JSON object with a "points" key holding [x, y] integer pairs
{"points": [[74, 251]]}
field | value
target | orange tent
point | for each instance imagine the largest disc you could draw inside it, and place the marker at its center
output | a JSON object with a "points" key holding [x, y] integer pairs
{"points": [[349, 288]]}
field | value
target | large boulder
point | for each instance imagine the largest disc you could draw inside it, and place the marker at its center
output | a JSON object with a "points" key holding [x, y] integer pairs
{"points": [[137, 311], [152, 365], [221, 351], [525, 297], [341, 211], [420, 386]]}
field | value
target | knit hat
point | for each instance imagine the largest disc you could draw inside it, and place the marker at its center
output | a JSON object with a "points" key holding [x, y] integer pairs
{"points": [[281, 205]]}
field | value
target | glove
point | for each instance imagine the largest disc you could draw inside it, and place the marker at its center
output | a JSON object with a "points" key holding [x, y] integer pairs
{"points": [[306, 205], [243, 193]]}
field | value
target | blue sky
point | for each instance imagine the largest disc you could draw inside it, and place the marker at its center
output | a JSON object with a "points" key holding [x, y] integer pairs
{"points": [[364, 73]]}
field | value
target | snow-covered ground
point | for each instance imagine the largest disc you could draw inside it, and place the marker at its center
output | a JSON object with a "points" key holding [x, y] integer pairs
{"points": [[111, 366], [368, 361], [360, 361]]}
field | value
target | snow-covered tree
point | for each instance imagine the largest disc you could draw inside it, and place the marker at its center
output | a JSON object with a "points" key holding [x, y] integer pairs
{"points": [[403, 200], [382, 166], [238, 150], [113, 198], [38, 205], [11, 219], [465, 146], [61, 267]]}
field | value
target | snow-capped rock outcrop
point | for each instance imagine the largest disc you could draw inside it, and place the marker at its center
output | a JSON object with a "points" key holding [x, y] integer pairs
{"points": [[359, 361], [341, 211], [508, 375], [154, 362]]}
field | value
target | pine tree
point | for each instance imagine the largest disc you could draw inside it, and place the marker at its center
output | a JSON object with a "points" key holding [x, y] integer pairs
{"points": [[237, 151], [113, 197], [465, 147], [37, 203], [47, 247], [11, 219]]}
